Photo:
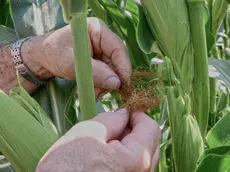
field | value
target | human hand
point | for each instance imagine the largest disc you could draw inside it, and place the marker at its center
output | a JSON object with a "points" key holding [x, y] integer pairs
{"points": [[109, 142], [52, 55]]}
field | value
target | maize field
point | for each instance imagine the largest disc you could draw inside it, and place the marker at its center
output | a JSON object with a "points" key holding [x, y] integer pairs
{"points": [[180, 56]]}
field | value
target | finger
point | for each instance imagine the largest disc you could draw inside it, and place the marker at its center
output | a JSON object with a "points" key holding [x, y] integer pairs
{"points": [[99, 93], [145, 135], [114, 123], [105, 42], [104, 76], [104, 127], [125, 133], [155, 159]]}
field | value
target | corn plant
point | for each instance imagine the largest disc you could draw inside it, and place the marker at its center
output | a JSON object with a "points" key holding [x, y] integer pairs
{"points": [[194, 111]]}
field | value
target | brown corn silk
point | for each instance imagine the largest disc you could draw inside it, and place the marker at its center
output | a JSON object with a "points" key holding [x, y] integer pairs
{"points": [[141, 94]]}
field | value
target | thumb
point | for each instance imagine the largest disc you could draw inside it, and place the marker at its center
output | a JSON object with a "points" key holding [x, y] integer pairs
{"points": [[104, 76], [104, 127], [114, 123]]}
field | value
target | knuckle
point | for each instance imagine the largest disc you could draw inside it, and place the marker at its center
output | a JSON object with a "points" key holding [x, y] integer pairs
{"points": [[96, 23], [156, 128], [142, 165]]}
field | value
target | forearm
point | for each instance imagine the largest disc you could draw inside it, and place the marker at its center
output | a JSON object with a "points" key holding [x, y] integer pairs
{"points": [[30, 56]]}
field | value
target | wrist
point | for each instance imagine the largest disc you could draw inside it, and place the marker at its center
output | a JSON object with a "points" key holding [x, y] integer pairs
{"points": [[32, 55]]}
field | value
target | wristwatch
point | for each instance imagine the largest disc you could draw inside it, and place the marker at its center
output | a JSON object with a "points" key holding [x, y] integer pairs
{"points": [[20, 66]]}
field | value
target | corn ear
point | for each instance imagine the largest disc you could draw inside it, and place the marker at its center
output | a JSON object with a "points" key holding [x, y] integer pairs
{"points": [[170, 26], [189, 145], [201, 79], [26, 132], [184, 129]]}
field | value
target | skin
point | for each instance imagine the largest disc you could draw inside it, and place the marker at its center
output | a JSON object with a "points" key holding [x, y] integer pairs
{"points": [[51, 55], [109, 142]]}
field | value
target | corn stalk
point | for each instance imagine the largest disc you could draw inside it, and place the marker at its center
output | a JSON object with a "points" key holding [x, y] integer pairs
{"points": [[75, 13]]}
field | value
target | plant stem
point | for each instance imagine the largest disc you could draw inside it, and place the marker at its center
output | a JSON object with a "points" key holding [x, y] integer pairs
{"points": [[213, 92], [83, 66], [228, 21], [201, 79], [75, 13], [212, 109]]}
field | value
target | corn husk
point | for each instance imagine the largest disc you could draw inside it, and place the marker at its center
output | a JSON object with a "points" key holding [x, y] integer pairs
{"points": [[184, 129], [26, 132], [189, 145], [169, 23]]}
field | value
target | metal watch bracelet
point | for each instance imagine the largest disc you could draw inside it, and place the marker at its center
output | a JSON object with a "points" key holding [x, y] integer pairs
{"points": [[23, 70]]}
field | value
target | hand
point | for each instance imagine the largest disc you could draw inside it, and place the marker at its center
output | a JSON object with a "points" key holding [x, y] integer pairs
{"points": [[52, 55], [109, 142]]}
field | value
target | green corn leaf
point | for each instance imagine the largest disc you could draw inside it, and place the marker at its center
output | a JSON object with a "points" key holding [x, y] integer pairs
{"points": [[42, 97], [221, 70], [127, 28], [71, 110], [21, 97], [7, 35], [163, 167], [23, 138], [4, 12], [219, 135], [99, 11], [133, 9], [60, 91], [144, 35], [214, 163], [208, 27], [222, 150], [219, 10], [222, 102], [26, 132]]}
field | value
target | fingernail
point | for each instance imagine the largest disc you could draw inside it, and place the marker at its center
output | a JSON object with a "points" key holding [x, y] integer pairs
{"points": [[112, 83], [123, 111]]}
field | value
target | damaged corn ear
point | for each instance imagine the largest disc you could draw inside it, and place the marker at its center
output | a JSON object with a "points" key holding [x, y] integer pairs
{"points": [[189, 145]]}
